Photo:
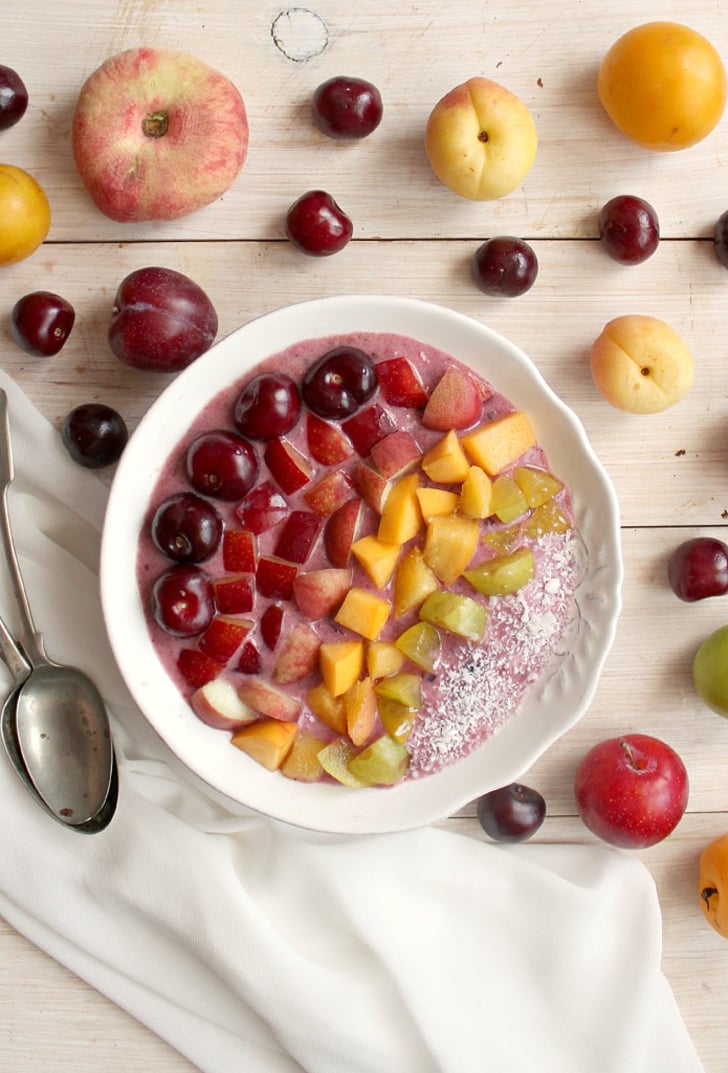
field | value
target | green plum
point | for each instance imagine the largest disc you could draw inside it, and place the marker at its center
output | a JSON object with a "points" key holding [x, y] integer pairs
{"points": [[710, 671]]}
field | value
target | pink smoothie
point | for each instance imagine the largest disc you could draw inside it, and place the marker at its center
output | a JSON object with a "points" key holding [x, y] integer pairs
{"points": [[475, 687]]}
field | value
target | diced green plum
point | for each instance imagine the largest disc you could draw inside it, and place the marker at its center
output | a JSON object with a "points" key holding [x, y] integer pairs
{"points": [[382, 763], [504, 574], [458, 614]]}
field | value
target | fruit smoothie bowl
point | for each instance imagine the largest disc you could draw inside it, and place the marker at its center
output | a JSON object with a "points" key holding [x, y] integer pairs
{"points": [[360, 564]]}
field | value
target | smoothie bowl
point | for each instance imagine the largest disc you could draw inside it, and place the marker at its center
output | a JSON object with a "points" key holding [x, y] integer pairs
{"points": [[360, 564]]}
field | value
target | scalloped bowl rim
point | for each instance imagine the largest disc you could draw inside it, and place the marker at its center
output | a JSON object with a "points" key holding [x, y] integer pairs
{"points": [[546, 713]]}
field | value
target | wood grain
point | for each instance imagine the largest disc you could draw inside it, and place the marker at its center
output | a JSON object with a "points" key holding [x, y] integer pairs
{"points": [[413, 237]]}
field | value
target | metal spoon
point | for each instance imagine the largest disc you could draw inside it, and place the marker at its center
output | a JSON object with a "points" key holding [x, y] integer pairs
{"points": [[61, 725]]}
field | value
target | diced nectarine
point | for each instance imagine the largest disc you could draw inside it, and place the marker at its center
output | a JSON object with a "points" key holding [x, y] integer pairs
{"points": [[268, 741], [507, 500], [420, 643], [436, 501], [401, 518], [537, 485], [397, 720], [450, 543], [499, 442], [383, 658], [302, 762], [445, 462], [377, 559], [364, 613], [360, 705], [413, 581], [476, 494], [341, 663], [326, 707]]}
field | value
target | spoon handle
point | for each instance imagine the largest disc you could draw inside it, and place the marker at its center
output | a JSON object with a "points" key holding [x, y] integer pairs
{"points": [[31, 640], [12, 657]]}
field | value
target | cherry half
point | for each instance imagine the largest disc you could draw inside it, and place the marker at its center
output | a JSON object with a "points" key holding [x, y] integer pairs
{"points": [[41, 322], [347, 108], [698, 569], [13, 97], [339, 382], [316, 225]]}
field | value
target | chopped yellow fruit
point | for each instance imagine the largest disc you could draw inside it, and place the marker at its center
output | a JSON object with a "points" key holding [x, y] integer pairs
{"points": [[508, 501], [377, 559], [548, 518], [326, 707], [503, 540], [421, 645], [364, 613], [341, 663], [405, 688], [397, 720], [360, 704], [457, 614], [383, 658], [503, 574], [267, 741], [382, 763], [302, 763], [537, 485], [449, 545], [413, 581], [475, 494], [334, 759], [500, 442], [445, 462], [401, 516], [436, 501]]}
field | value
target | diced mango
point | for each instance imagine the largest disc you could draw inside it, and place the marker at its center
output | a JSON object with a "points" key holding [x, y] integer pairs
{"points": [[436, 501], [449, 545], [476, 494], [326, 707], [508, 501], [363, 613], [397, 720], [458, 614], [302, 762], [377, 559], [382, 763], [267, 741], [401, 518], [445, 462], [548, 518], [421, 645], [360, 704], [537, 485], [499, 442], [413, 581], [383, 658], [405, 688], [341, 663], [503, 574], [334, 759]]}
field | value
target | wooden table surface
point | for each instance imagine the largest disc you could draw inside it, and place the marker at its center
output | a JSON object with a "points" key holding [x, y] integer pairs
{"points": [[414, 237]]}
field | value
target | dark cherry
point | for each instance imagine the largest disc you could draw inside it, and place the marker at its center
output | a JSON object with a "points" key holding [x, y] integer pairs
{"points": [[504, 267], [221, 464], [41, 322], [339, 382], [720, 239], [95, 435], [512, 813], [186, 528], [629, 229], [183, 600], [698, 569], [316, 225], [13, 97], [268, 407], [347, 108]]}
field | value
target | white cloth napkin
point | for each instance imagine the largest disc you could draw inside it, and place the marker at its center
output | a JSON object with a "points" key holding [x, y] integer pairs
{"points": [[250, 945]]}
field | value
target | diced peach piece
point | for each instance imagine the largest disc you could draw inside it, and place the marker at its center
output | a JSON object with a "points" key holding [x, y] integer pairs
{"points": [[270, 701], [537, 485], [421, 645], [382, 763], [360, 705], [397, 720], [435, 501], [341, 663], [395, 454], [219, 704], [476, 494], [455, 402], [450, 543], [334, 759], [326, 707], [341, 531], [371, 486], [498, 443], [445, 462], [302, 762], [328, 494], [319, 592], [377, 559], [401, 518], [508, 501], [266, 741], [298, 655], [413, 581], [364, 613], [383, 658]]}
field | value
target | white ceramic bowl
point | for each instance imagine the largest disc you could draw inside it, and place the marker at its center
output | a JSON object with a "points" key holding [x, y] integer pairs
{"points": [[551, 706]]}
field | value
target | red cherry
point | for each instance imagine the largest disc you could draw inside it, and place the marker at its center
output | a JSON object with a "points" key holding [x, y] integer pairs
{"points": [[316, 225], [347, 108]]}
